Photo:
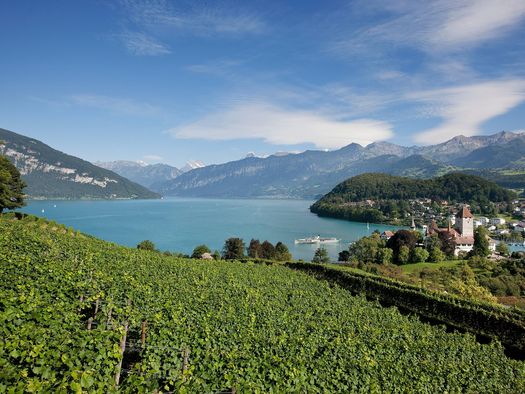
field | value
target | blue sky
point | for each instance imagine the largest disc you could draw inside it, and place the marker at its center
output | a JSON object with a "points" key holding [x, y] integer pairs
{"points": [[171, 81]]}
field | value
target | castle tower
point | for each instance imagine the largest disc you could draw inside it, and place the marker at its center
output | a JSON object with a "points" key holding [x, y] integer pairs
{"points": [[465, 222]]}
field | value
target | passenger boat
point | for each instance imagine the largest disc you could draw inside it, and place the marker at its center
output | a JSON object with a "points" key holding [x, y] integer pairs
{"points": [[317, 240]]}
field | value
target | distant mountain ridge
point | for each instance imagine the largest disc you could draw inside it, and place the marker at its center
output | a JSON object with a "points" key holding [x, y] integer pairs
{"points": [[311, 174], [149, 175], [50, 173], [142, 173]]}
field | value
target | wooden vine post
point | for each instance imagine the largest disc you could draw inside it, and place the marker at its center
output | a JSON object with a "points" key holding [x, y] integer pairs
{"points": [[185, 360], [122, 350], [143, 333]]}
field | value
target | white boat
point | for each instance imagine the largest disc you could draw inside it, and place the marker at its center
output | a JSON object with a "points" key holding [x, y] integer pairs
{"points": [[316, 240]]}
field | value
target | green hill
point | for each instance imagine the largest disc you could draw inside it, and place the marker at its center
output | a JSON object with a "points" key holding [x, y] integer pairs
{"points": [[389, 194], [198, 326], [51, 174]]}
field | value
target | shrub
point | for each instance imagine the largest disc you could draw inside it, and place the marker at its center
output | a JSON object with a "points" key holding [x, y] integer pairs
{"points": [[146, 245], [418, 255]]}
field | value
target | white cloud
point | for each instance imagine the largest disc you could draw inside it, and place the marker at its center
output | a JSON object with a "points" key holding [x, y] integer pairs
{"points": [[283, 127], [464, 109], [141, 44], [115, 104], [437, 26]]}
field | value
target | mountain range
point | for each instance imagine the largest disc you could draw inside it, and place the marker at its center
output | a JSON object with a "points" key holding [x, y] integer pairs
{"points": [[312, 173], [148, 175], [50, 173]]}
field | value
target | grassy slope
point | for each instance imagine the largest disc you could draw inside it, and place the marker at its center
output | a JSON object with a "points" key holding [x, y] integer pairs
{"points": [[252, 327], [412, 268]]}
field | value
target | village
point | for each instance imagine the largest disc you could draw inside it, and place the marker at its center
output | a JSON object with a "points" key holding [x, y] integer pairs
{"points": [[456, 222]]}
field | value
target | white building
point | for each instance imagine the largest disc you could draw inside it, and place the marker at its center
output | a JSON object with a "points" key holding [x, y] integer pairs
{"points": [[463, 232], [497, 221], [484, 220]]}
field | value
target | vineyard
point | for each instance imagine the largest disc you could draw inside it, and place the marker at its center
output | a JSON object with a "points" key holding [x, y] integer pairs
{"points": [[82, 315]]}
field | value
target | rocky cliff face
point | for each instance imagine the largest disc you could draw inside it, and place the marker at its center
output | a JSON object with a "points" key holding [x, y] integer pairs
{"points": [[53, 174]]}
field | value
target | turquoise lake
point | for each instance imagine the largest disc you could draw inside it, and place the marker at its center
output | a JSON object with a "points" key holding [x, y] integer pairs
{"points": [[179, 224]]}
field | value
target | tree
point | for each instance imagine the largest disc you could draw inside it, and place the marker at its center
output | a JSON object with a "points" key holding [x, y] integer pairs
{"points": [[403, 255], [254, 249], [418, 255], [267, 250], [321, 256], [11, 186], [344, 256], [199, 251], [385, 256], [146, 245], [216, 255], [233, 249], [281, 252], [448, 243], [365, 249], [481, 242], [399, 239], [503, 249], [436, 255]]}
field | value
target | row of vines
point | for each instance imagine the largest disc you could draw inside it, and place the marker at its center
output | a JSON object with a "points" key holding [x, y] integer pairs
{"points": [[82, 315]]}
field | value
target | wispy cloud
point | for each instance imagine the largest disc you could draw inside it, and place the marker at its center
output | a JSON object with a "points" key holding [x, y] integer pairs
{"points": [[282, 126], [436, 26], [114, 104], [152, 158], [217, 67], [464, 109], [141, 44], [197, 17]]}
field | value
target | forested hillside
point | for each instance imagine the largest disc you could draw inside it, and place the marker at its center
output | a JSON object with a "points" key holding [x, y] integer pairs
{"points": [[372, 197]]}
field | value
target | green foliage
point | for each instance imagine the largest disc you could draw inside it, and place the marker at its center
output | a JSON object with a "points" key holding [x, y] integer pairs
{"points": [[321, 256], [419, 255], [233, 249], [255, 328], [481, 242], [11, 186], [503, 249], [199, 251], [281, 252], [402, 238], [436, 255], [385, 256], [267, 250], [146, 245], [403, 255], [216, 255], [254, 249], [344, 255], [390, 194], [365, 250]]}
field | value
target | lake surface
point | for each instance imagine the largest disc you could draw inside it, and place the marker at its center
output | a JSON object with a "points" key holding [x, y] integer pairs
{"points": [[180, 224]]}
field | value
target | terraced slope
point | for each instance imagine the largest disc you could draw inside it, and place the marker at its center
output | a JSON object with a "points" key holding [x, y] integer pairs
{"points": [[210, 326]]}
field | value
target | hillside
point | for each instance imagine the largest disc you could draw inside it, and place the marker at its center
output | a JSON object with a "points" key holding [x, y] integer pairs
{"points": [[70, 303], [312, 174], [141, 173], [377, 197], [50, 173]]}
